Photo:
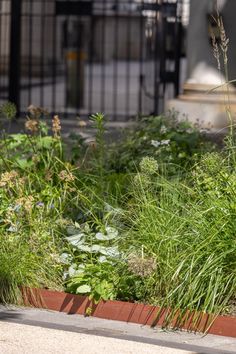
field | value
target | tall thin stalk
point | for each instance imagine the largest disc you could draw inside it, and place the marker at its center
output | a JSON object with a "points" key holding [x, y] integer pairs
{"points": [[219, 50]]}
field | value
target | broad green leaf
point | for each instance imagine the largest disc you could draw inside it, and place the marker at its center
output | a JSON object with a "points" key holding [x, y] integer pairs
{"points": [[102, 237], [110, 252], [83, 289], [96, 248], [111, 233], [45, 142], [72, 230], [76, 240], [23, 163], [72, 270], [102, 259], [84, 248], [65, 258]]}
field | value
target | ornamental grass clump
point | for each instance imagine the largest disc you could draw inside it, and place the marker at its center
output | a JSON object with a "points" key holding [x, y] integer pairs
{"points": [[188, 229]]}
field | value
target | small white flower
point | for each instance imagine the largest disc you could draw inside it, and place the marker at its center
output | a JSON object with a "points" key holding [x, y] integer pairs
{"points": [[165, 142], [155, 143]]}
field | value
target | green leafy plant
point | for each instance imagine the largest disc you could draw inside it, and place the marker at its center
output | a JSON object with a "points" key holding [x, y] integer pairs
{"points": [[94, 257], [174, 144]]}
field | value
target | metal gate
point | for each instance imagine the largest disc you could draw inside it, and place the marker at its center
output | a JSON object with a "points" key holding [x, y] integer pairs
{"points": [[119, 57]]}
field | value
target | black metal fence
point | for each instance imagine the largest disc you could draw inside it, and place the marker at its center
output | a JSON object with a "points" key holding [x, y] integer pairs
{"points": [[80, 57]]}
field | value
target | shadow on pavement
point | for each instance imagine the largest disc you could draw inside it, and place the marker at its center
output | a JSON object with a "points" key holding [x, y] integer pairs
{"points": [[9, 315]]}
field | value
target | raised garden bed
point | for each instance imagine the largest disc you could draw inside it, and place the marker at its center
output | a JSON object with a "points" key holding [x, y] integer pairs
{"points": [[121, 311]]}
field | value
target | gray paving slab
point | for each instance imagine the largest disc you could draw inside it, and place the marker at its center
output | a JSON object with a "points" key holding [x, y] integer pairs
{"points": [[190, 342]]}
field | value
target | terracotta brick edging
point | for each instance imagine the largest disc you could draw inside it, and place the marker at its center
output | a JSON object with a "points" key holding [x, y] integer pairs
{"points": [[120, 311]]}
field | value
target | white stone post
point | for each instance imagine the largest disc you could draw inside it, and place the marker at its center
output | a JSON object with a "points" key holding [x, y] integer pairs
{"points": [[202, 67], [208, 109]]}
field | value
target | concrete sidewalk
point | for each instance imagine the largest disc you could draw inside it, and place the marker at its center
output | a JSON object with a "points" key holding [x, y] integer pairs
{"points": [[25, 330], [16, 338]]}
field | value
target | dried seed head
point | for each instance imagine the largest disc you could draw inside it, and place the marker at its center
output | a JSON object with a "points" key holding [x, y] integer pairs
{"points": [[35, 159], [32, 125], [142, 267], [26, 202], [82, 123], [36, 112], [66, 176], [216, 51], [21, 182], [56, 126], [7, 178], [224, 40], [48, 175], [72, 189]]}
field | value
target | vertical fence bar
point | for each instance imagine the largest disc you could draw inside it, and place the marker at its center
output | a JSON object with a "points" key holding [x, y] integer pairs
{"points": [[158, 35], [15, 53], [66, 103], [91, 63], [103, 56], [6, 46], [141, 24], [178, 48], [30, 63], [75, 87], [115, 65], [54, 62], [128, 57], [42, 14], [1, 40]]}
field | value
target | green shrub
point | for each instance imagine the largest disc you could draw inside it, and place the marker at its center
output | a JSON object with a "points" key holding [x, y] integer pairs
{"points": [[174, 144]]}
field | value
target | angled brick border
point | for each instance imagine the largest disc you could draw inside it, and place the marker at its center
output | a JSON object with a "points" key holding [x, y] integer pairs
{"points": [[121, 311]]}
